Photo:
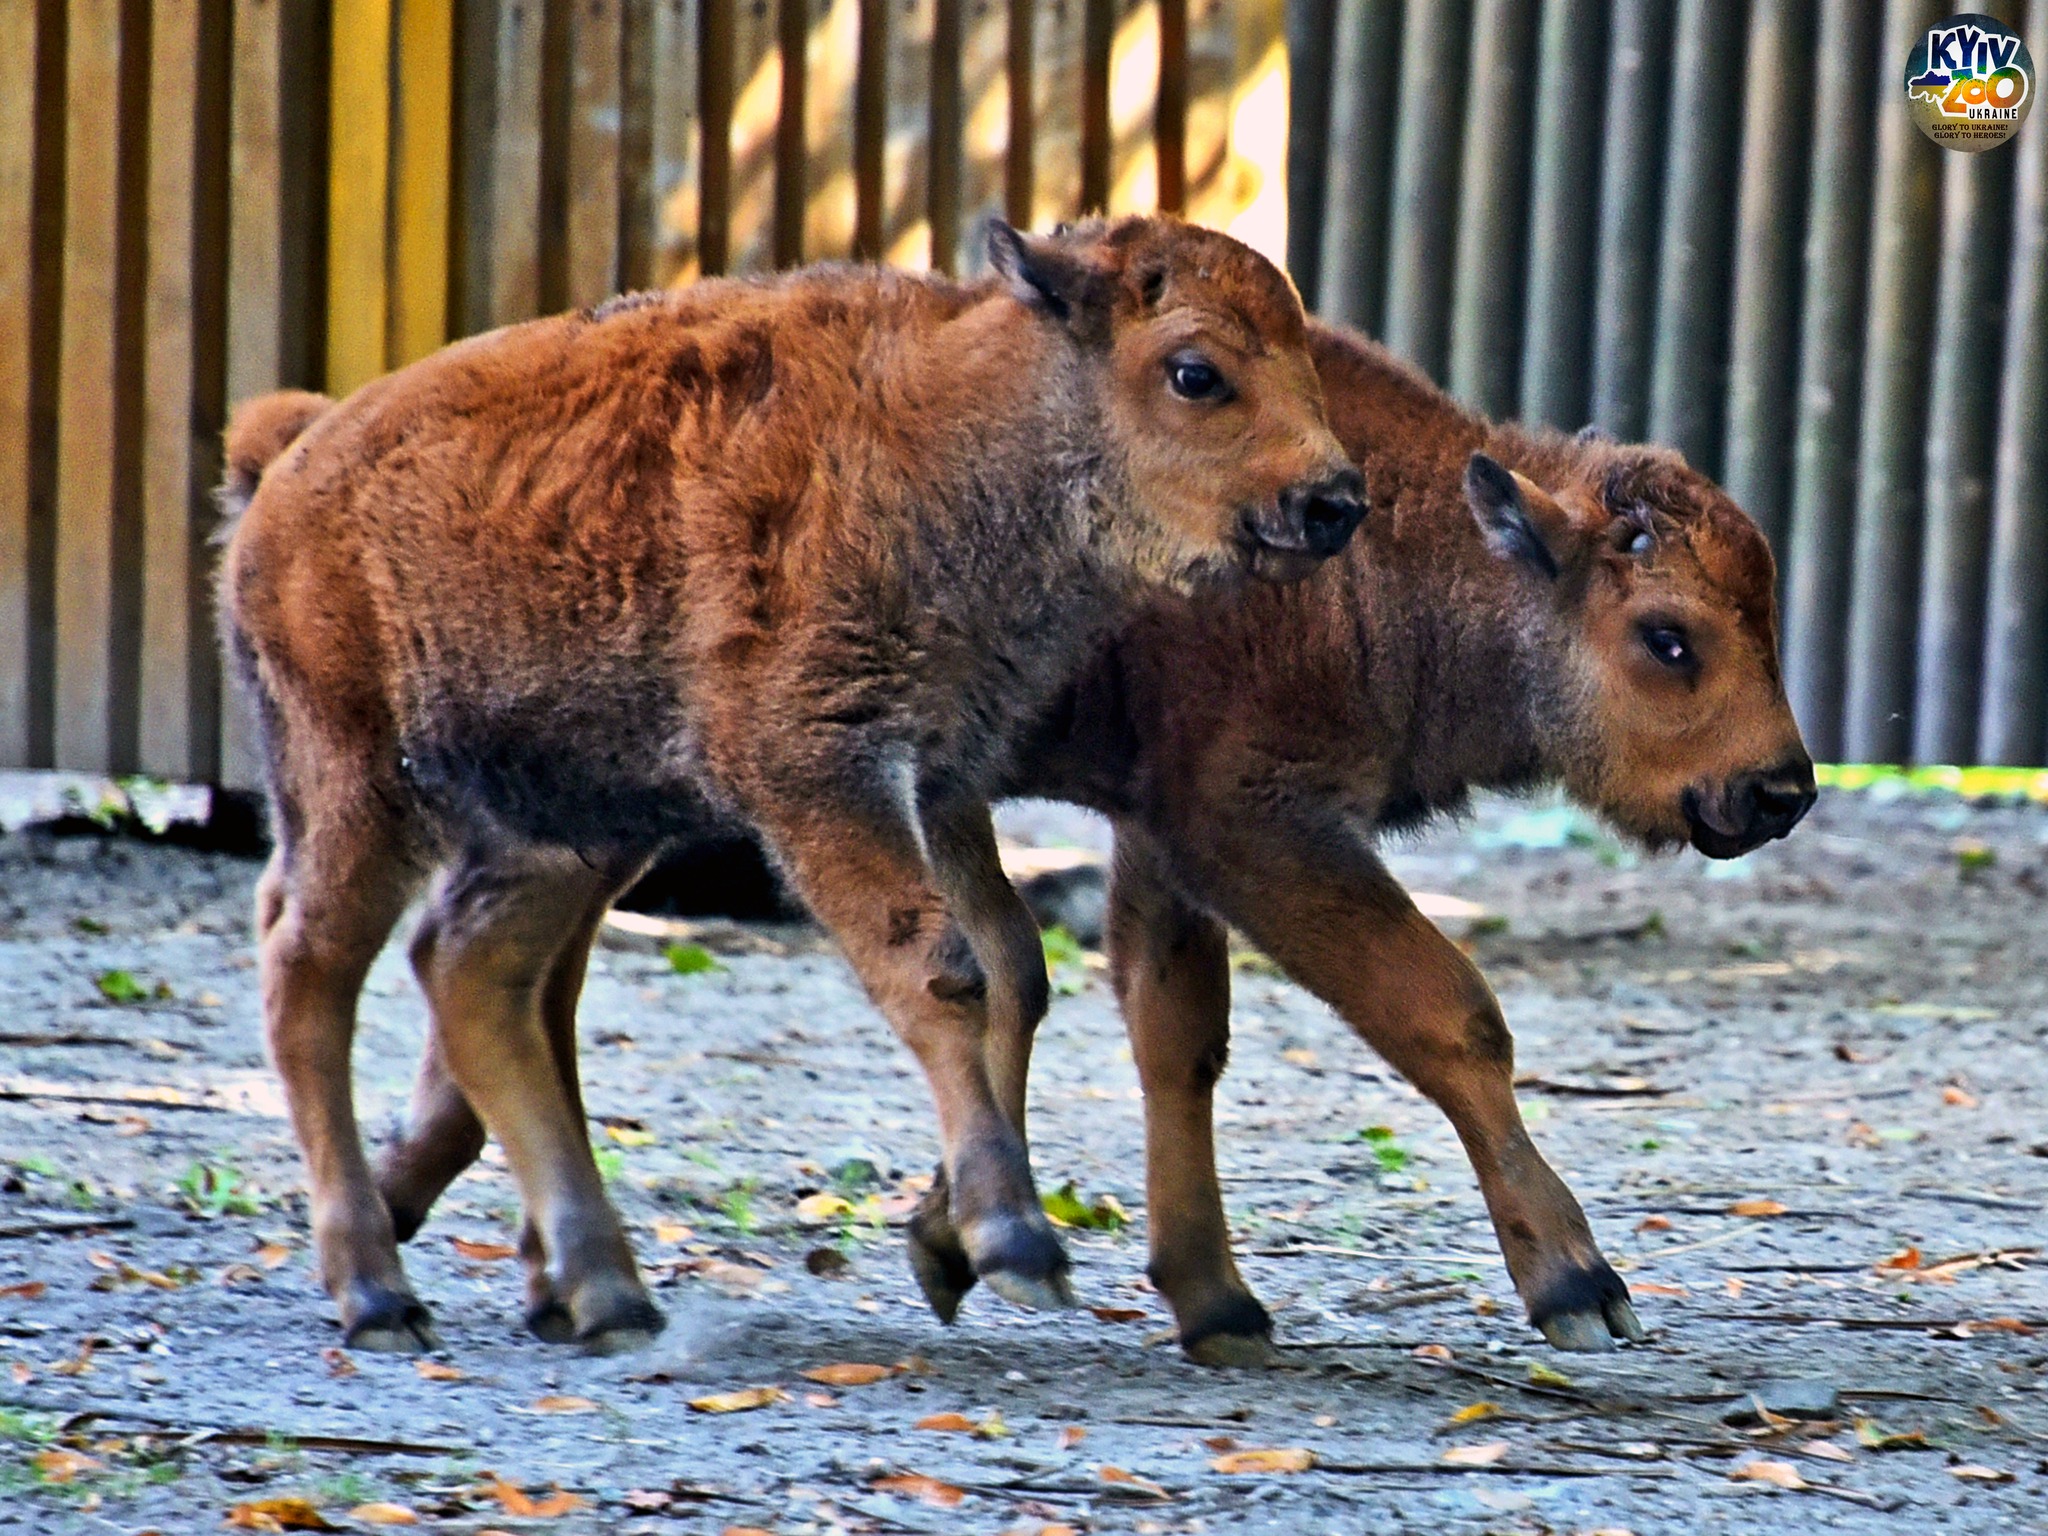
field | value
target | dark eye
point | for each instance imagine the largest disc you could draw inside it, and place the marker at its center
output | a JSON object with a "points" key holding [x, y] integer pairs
{"points": [[1668, 646], [1194, 377]]}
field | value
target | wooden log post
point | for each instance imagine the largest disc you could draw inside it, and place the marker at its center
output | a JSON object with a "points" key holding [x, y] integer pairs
{"points": [[1631, 206], [1364, 87], [1428, 145], [1311, 88], [1493, 211]]}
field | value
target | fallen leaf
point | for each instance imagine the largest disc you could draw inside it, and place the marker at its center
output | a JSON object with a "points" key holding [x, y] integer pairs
{"points": [[673, 1232], [1735, 1285], [286, 1514], [1476, 1455], [21, 1372], [915, 1485], [847, 1374], [1779, 1474], [516, 1501], [273, 1255], [100, 1260], [1758, 1208], [1066, 1209], [1654, 1224], [1873, 1436], [739, 1402], [630, 1135], [1973, 1473], [434, 1370], [1472, 1413], [1541, 1375], [820, 1209], [27, 1290], [556, 1403], [1826, 1450], [1291, 1459], [1123, 1479], [946, 1424], [1070, 1436], [820, 1400], [60, 1466], [1431, 1352], [483, 1252], [745, 1530], [1653, 1288], [338, 1362], [1300, 1056], [1119, 1314], [380, 1513], [1959, 1098]]}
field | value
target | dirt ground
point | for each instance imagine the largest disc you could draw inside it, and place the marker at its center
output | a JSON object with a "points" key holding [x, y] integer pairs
{"points": [[1850, 1027]]}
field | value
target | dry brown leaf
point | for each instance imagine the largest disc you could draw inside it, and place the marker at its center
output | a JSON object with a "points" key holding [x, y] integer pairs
{"points": [[27, 1290], [847, 1373], [745, 1530], [1123, 1479], [1119, 1314], [1959, 1098], [990, 1428], [1654, 1224], [1472, 1413], [1972, 1473], [131, 1125], [820, 1400], [1652, 1288], [61, 1466], [739, 1402], [99, 1259], [1906, 1258], [1758, 1208], [516, 1501], [1432, 1352], [1476, 1455], [673, 1232], [381, 1513], [273, 1255], [79, 1364], [558, 1403], [286, 1514], [338, 1362], [915, 1485], [1826, 1450], [1290, 1459], [1070, 1436], [483, 1252], [434, 1370], [1873, 1436], [1779, 1474]]}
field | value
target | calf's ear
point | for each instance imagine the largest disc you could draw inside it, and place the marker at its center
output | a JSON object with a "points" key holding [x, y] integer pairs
{"points": [[1520, 522], [1051, 274]]}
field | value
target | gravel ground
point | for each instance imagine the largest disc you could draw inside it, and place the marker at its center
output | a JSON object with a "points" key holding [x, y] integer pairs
{"points": [[1850, 1027]]}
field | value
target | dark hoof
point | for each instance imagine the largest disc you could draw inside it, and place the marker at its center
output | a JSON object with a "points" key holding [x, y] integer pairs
{"points": [[629, 1324], [405, 1221], [944, 1272], [1236, 1331], [388, 1322], [550, 1322], [1021, 1261], [1586, 1310]]}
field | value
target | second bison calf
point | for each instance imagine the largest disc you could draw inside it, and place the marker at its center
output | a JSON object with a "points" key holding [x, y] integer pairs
{"points": [[804, 554]]}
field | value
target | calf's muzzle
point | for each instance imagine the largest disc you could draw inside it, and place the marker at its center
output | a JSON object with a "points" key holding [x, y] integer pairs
{"points": [[1750, 809], [1308, 522]]}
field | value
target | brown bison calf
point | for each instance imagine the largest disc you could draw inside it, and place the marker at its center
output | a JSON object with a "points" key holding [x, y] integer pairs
{"points": [[1525, 609], [804, 554]]}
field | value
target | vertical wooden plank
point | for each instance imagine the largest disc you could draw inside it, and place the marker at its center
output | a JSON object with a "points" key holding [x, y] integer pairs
{"points": [[1212, 80], [1962, 428], [1428, 145], [717, 42], [1892, 452], [909, 152], [422, 133], [1493, 222], [636, 144], [1311, 93], [100, 399], [832, 62], [758, 79], [1021, 73], [359, 195], [792, 54], [1133, 99], [1058, 46], [513, 239], [591, 244], [1571, 84], [985, 129], [1816, 556], [674, 142], [1363, 103], [178, 730], [1688, 372], [2014, 719], [1763, 352], [871, 111], [31, 150], [947, 136], [1098, 148], [1631, 208], [1170, 125]]}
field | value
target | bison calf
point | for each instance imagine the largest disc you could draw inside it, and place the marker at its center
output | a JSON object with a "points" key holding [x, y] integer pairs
{"points": [[1526, 609], [803, 554]]}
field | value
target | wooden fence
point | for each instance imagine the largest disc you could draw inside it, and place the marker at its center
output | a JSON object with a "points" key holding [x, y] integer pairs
{"points": [[1712, 223], [204, 199]]}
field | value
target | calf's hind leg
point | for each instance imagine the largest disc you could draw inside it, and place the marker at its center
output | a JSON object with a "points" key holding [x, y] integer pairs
{"points": [[485, 954]]}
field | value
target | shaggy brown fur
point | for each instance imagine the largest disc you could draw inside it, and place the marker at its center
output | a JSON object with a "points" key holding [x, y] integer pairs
{"points": [[1482, 632], [806, 554]]}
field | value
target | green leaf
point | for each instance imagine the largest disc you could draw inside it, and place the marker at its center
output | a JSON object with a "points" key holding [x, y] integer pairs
{"points": [[120, 987], [1065, 1206], [690, 959]]}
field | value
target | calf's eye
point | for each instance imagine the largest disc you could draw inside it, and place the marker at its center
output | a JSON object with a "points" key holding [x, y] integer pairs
{"points": [[1193, 377], [1668, 646]]}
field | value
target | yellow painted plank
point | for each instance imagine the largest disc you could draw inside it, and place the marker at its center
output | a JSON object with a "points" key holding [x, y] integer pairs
{"points": [[422, 146], [358, 193]]}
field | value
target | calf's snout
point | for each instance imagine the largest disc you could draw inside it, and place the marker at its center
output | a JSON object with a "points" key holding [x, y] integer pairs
{"points": [[1323, 514], [1751, 808]]}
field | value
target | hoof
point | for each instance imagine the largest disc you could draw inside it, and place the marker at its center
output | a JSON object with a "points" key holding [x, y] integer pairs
{"points": [[629, 1324], [1021, 1261], [1235, 1331], [405, 1221], [944, 1272], [1245, 1351], [549, 1321], [389, 1322], [1034, 1293], [1586, 1311]]}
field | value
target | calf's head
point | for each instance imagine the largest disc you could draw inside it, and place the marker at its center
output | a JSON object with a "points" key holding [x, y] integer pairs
{"points": [[1198, 355], [1653, 592]]}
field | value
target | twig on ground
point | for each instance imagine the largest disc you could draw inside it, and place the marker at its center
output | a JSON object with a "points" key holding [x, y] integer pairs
{"points": [[134, 1098], [62, 1226]]}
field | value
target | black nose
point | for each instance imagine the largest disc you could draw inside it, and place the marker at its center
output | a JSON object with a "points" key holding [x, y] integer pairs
{"points": [[1777, 798], [1327, 514]]}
